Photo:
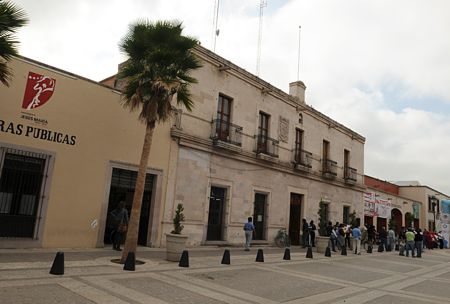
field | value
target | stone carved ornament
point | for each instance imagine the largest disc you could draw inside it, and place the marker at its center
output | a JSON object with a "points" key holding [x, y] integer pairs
{"points": [[283, 129]]}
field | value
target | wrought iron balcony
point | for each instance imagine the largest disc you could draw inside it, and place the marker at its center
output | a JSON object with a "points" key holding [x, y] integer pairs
{"points": [[266, 145], [329, 169], [227, 132], [350, 175], [302, 159]]}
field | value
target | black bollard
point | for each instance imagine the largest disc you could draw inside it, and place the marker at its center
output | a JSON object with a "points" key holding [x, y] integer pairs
{"points": [[369, 249], [58, 264], [396, 247], [130, 262], [380, 248], [287, 254], [309, 254], [226, 257], [184, 261], [328, 252], [344, 250], [260, 256]]}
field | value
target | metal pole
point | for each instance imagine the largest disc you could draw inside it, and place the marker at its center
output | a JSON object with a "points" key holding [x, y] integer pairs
{"points": [[298, 59]]}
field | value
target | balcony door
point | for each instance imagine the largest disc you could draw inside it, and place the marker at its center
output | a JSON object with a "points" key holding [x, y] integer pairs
{"points": [[223, 118], [263, 132], [298, 145], [325, 155]]}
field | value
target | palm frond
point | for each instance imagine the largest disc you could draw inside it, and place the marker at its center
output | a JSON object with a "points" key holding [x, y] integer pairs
{"points": [[158, 68]]}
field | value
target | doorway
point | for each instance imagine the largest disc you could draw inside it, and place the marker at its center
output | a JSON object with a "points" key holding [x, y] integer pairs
{"points": [[381, 222], [368, 220], [259, 215], [295, 215], [123, 183], [215, 216], [21, 182]]}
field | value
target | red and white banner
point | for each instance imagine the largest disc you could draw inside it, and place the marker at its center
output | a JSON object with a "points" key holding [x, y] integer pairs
{"points": [[38, 90], [374, 206]]}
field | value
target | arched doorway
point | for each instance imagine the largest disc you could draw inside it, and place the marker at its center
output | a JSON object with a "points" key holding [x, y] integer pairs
{"points": [[396, 216], [408, 220]]}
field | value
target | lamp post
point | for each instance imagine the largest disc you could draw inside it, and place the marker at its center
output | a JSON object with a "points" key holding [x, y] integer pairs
{"points": [[433, 205]]}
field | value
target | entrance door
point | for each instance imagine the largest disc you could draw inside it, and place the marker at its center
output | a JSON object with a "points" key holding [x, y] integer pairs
{"points": [[20, 187], [368, 220], [381, 222], [259, 214], [123, 183], [215, 217], [294, 218]]}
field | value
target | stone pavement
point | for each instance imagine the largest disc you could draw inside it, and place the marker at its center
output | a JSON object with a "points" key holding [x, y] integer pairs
{"points": [[90, 277]]}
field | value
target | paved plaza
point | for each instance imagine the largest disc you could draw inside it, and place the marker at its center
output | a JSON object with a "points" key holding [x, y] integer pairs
{"points": [[91, 277]]}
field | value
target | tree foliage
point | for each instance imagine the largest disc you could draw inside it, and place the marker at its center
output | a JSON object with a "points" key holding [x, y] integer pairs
{"points": [[11, 19]]}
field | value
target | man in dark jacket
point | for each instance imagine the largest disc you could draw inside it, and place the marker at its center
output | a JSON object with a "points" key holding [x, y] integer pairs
{"points": [[305, 230]]}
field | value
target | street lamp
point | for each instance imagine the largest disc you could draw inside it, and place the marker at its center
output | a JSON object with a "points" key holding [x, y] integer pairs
{"points": [[433, 200]]}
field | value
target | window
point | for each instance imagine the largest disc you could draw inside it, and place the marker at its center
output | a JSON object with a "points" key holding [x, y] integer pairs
{"points": [[346, 163], [223, 117], [346, 215], [298, 145], [263, 131], [325, 155]]}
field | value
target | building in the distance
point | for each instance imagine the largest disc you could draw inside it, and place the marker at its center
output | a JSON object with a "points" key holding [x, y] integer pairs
{"points": [[385, 206]]}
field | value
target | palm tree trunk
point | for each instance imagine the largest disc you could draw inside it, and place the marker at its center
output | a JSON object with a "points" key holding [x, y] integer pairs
{"points": [[133, 224]]}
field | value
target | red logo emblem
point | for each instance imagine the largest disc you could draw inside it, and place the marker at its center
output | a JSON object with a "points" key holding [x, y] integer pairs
{"points": [[38, 91]]}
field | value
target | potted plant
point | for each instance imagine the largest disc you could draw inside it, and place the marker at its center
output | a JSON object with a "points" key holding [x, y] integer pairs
{"points": [[323, 238], [175, 241]]}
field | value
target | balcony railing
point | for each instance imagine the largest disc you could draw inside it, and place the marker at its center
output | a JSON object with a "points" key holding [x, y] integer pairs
{"points": [[302, 159], [329, 168], [350, 174], [226, 132], [266, 145]]}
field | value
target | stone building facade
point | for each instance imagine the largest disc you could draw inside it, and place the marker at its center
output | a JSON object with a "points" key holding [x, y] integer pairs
{"points": [[250, 149]]}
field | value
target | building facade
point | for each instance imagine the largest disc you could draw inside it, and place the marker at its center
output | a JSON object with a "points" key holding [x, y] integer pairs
{"points": [[250, 149], [384, 205], [69, 153]]}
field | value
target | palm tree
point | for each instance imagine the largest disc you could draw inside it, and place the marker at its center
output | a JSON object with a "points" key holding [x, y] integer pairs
{"points": [[160, 60], [11, 19]]}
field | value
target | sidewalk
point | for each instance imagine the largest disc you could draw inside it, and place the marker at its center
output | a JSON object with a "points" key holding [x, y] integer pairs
{"points": [[91, 277]]}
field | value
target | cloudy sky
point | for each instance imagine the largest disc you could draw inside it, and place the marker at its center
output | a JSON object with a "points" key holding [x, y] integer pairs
{"points": [[380, 67]]}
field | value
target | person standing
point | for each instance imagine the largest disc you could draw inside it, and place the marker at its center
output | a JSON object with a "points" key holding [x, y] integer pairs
{"points": [[391, 239], [364, 238], [383, 237], [248, 229], [356, 233], [332, 235], [410, 243], [305, 231], [120, 218], [312, 233], [418, 239], [341, 237]]}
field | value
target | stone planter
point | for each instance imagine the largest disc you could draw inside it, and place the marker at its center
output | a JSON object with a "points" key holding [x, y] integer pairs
{"points": [[175, 244], [322, 243]]}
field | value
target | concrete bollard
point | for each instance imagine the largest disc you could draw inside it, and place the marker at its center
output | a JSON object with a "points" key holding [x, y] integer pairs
{"points": [[184, 261], [260, 256], [226, 257], [58, 264]]}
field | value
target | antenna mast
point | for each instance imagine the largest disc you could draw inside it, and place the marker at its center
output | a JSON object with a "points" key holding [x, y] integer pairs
{"points": [[298, 60], [215, 24], [262, 5]]}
